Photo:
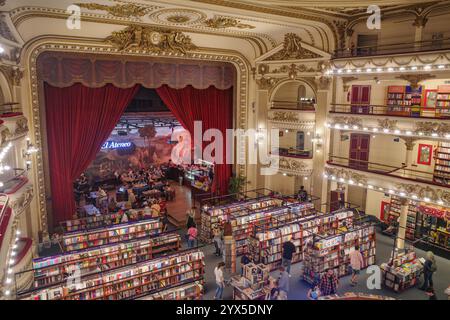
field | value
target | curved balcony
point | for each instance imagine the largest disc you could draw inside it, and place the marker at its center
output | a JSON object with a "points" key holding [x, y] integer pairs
{"points": [[391, 110], [293, 153], [23, 261], [292, 118], [387, 170], [393, 48], [292, 166]]}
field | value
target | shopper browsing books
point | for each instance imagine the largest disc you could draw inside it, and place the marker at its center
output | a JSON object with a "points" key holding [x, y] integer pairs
{"points": [[429, 267], [328, 283], [220, 280], [244, 261], [217, 233], [356, 263], [288, 251], [283, 281], [192, 236]]}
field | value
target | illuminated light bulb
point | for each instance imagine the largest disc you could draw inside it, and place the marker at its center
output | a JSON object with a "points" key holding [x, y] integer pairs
{"points": [[397, 131], [427, 67], [375, 129], [365, 129], [18, 232], [358, 70], [414, 196], [402, 69], [391, 191], [360, 184], [390, 69], [369, 186], [7, 293], [414, 68], [420, 133], [8, 280], [380, 188], [333, 178], [440, 202], [441, 66], [402, 194], [346, 127], [447, 135], [348, 70], [2, 49], [308, 133], [355, 127], [434, 134], [342, 180], [10, 271], [340, 71], [13, 253], [369, 70], [325, 175], [386, 130], [286, 131], [426, 199], [284, 174], [408, 133], [1, 184], [337, 126], [379, 69], [306, 178], [351, 181]]}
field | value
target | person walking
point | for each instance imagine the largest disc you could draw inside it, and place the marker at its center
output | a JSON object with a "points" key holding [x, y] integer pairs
{"points": [[356, 263], [429, 267], [217, 239], [329, 283], [283, 282], [220, 280], [192, 236], [288, 251]]}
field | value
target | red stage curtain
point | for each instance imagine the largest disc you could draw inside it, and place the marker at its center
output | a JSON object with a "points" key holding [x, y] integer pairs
{"points": [[79, 120], [213, 107]]}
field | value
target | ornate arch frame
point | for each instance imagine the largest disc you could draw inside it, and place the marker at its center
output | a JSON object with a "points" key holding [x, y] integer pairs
{"points": [[44, 44], [299, 80]]}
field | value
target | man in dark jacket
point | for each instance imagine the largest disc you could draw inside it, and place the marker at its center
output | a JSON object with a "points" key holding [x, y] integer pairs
{"points": [[288, 251]]}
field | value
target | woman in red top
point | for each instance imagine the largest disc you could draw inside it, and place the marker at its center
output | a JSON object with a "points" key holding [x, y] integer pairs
{"points": [[192, 236]]}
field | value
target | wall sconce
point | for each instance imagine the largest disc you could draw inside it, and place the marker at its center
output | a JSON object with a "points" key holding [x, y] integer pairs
{"points": [[26, 154]]}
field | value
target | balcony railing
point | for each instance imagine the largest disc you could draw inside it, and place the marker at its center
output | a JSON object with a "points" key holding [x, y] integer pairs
{"points": [[292, 153], [399, 172], [305, 105], [393, 48], [10, 109], [391, 110]]}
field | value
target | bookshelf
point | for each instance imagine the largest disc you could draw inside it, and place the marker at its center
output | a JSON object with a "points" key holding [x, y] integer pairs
{"points": [[131, 282], [443, 101], [413, 98], [190, 291], [243, 225], [394, 213], [333, 252], [402, 272], [51, 270], [433, 226], [442, 164], [396, 102], [212, 217], [266, 246], [115, 234]]}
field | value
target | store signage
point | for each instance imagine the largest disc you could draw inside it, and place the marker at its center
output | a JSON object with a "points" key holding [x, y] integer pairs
{"points": [[435, 212], [116, 145]]}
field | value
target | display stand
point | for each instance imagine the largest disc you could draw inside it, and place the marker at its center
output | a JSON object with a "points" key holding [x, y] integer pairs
{"points": [[254, 284], [402, 272]]}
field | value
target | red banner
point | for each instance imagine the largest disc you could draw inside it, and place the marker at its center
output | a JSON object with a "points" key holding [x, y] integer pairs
{"points": [[435, 212]]}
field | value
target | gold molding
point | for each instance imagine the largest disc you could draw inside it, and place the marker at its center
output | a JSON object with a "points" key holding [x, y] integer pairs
{"points": [[226, 22], [126, 10], [292, 50], [150, 40], [79, 46]]}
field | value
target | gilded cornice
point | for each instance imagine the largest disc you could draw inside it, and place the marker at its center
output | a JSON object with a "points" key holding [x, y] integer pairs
{"points": [[126, 10]]}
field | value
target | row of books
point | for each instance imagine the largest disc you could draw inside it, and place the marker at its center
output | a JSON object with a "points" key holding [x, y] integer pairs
{"points": [[402, 272], [190, 291], [334, 252], [55, 269], [128, 282], [113, 234]]}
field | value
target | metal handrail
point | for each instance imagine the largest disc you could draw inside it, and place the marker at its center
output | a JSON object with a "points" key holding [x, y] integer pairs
{"points": [[399, 47], [389, 110], [4, 208]]}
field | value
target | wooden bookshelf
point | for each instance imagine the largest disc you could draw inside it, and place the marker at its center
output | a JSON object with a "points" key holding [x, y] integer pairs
{"points": [[396, 102], [443, 101], [212, 217], [190, 291], [394, 213], [442, 164], [131, 282], [115, 234], [266, 246], [333, 252], [51, 270]]}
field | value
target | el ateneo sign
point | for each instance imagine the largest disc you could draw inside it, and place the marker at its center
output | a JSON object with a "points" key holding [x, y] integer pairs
{"points": [[117, 145]]}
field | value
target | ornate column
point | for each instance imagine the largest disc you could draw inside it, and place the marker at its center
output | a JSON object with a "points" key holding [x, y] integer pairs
{"points": [[420, 22], [409, 143], [401, 233], [319, 187]]}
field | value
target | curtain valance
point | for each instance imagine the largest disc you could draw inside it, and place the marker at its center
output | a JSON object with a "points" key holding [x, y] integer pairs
{"points": [[63, 70]]}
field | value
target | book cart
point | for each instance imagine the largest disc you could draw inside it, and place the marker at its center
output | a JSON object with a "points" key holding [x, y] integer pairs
{"points": [[131, 282], [114, 234], [332, 251], [402, 271], [265, 246], [52, 270]]}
